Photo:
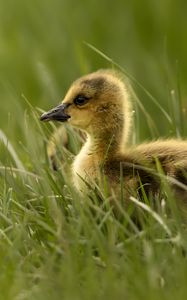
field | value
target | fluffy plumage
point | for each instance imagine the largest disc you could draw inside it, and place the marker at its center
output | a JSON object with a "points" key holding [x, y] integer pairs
{"points": [[99, 104]]}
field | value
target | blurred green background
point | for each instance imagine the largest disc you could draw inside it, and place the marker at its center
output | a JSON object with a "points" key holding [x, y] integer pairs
{"points": [[42, 51]]}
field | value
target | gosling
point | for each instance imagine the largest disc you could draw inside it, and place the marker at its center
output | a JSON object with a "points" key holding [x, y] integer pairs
{"points": [[99, 104]]}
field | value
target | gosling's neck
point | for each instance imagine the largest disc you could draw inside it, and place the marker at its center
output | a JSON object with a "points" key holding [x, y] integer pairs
{"points": [[107, 140]]}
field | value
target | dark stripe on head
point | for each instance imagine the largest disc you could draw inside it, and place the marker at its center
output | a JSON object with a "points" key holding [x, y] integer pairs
{"points": [[96, 83]]}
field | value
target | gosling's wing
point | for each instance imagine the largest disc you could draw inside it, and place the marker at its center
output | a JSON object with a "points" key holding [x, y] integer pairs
{"points": [[176, 149]]}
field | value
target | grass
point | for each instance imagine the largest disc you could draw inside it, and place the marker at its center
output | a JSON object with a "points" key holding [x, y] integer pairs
{"points": [[53, 243], [56, 245]]}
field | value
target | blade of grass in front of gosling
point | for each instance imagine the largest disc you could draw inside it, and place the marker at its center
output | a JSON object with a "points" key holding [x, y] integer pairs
{"points": [[105, 212], [126, 214], [75, 140], [101, 203], [100, 217], [166, 187], [141, 187], [53, 183], [89, 228], [153, 214], [142, 219], [132, 78], [93, 187]]}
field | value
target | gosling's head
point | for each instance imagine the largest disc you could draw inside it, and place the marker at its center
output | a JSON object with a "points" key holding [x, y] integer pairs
{"points": [[93, 101]]}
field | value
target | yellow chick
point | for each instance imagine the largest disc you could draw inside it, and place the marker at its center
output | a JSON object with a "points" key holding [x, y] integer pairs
{"points": [[99, 104]]}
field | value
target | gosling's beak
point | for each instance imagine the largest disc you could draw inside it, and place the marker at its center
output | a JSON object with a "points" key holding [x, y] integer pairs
{"points": [[56, 114]]}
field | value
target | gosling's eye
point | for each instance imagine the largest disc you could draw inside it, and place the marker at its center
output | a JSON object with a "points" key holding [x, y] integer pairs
{"points": [[80, 100]]}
